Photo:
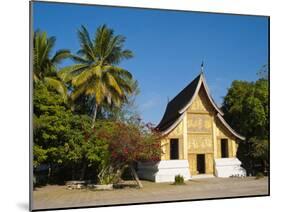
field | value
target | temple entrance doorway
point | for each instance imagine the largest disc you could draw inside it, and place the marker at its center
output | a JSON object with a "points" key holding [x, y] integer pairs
{"points": [[201, 169]]}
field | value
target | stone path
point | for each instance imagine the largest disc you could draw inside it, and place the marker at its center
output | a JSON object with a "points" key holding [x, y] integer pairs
{"points": [[59, 196]]}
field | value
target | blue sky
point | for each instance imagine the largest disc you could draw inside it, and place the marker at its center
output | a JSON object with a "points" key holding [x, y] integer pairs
{"points": [[169, 46]]}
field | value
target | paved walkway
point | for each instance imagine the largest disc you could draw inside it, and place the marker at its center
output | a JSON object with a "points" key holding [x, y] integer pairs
{"points": [[60, 196]]}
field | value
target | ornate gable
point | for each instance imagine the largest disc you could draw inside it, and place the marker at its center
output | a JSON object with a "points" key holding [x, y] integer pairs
{"points": [[193, 99], [201, 103]]}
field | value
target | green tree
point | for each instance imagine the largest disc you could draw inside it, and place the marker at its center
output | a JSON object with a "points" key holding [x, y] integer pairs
{"points": [[82, 148], [61, 138], [246, 109], [96, 74], [45, 64], [50, 125]]}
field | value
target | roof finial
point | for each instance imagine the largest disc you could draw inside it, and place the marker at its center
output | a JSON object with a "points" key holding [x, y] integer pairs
{"points": [[202, 67]]}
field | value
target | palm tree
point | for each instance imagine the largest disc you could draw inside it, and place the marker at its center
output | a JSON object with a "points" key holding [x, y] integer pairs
{"points": [[45, 65], [96, 74]]}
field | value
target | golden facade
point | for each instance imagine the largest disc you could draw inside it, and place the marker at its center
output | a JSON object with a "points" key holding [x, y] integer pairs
{"points": [[201, 136]]}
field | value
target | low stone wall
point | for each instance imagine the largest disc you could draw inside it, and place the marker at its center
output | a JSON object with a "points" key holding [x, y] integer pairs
{"points": [[229, 167], [164, 170]]}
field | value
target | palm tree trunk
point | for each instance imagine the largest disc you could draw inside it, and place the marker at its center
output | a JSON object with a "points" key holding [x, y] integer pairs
{"points": [[94, 115]]}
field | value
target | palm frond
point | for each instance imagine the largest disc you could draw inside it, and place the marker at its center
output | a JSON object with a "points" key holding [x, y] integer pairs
{"points": [[98, 89], [102, 38], [85, 36], [85, 43], [58, 86], [82, 78], [113, 44], [60, 55], [46, 46], [119, 71], [125, 85], [99, 92], [67, 73], [97, 71], [116, 99], [43, 64], [113, 83], [78, 59], [78, 92], [127, 54]]}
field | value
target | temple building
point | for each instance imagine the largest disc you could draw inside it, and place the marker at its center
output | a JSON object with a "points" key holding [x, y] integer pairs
{"points": [[197, 141]]}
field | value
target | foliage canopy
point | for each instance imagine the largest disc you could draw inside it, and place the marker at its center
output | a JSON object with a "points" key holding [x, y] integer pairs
{"points": [[246, 108]]}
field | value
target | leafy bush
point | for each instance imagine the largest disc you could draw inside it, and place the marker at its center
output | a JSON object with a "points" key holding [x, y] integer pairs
{"points": [[179, 180], [127, 144]]}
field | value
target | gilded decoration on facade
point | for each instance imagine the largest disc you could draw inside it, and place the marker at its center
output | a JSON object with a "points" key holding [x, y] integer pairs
{"points": [[177, 131], [197, 105], [199, 123], [200, 143]]}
